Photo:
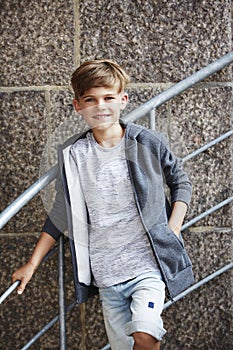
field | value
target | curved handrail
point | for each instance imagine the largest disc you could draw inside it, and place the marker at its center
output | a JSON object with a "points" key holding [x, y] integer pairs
{"points": [[198, 285], [180, 87], [47, 327], [27, 195], [207, 212]]}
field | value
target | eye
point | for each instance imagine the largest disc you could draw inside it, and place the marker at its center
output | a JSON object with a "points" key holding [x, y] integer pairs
{"points": [[109, 98], [89, 99]]}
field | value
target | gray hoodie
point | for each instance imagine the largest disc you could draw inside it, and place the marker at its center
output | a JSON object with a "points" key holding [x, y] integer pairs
{"points": [[152, 168]]}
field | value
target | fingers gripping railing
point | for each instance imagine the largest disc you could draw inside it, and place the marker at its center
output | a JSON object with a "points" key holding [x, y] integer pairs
{"points": [[17, 283]]}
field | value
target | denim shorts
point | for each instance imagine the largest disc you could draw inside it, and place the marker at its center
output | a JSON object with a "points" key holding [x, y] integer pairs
{"points": [[133, 306]]}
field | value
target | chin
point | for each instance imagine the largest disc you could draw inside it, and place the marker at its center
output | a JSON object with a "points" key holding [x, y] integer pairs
{"points": [[105, 125]]}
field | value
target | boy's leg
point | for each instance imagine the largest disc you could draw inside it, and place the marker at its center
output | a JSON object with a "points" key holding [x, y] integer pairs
{"points": [[132, 310], [144, 341], [116, 311]]}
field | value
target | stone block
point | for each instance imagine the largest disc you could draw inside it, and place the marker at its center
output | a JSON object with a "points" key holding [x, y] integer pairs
{"points": [[37, 42], [199, 116], [162, 41], [23, 132]]}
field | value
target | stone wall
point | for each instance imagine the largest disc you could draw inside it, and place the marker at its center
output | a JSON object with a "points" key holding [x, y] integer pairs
{"points": [[159, 42]]}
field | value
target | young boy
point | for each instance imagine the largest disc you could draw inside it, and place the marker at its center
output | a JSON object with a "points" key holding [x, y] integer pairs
{"points": [[124, 236]]}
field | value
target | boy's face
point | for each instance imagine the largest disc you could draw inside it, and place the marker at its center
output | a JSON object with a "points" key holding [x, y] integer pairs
{"points": [[101, 106]]}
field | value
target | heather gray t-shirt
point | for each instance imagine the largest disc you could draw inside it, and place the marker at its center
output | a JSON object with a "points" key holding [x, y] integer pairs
{"points": [[119, 247]]}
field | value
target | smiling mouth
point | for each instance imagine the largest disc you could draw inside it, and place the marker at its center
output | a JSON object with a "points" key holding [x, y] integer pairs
{"points": [[101, 116]]}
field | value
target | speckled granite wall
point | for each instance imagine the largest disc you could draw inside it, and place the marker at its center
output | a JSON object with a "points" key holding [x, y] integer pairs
{"points": [[159, 42]]}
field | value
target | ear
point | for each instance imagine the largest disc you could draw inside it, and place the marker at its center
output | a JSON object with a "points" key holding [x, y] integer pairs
{"points": [[124, 100], [76, 105]]}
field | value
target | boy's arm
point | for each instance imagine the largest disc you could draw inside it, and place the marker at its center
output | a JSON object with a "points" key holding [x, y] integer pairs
{"points": [[179, 184], [54, 226], [25, 273], [176, 219]]}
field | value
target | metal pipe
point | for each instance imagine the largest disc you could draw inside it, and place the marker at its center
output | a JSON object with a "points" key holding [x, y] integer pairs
{"points": [[42, 332], [26, 196], [62, 311], [48, 177], [207, 212], [178, 88], [208, 145], [9, 291], [152, 119]]}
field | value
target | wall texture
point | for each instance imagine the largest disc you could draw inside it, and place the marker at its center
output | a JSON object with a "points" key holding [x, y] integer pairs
{"points": [[159, 42]]}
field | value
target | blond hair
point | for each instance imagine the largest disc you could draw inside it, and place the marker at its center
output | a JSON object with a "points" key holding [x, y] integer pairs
{"points": [[98, 73]]}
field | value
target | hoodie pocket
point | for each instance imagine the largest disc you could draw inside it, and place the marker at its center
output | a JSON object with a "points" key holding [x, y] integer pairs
{"points": [[171, 252]]}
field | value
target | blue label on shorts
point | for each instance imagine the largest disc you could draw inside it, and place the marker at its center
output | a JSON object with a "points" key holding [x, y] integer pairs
{"points": [[151, 305]]}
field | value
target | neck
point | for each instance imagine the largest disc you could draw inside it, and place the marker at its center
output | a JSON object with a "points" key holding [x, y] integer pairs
{"points": [[109, 137]]}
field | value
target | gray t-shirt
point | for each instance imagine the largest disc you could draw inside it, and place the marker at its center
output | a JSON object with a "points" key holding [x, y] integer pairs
{"points": [[118, 244]]}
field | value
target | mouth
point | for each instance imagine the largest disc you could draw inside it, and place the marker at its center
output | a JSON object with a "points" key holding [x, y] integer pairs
{"points": [[101, 117]]}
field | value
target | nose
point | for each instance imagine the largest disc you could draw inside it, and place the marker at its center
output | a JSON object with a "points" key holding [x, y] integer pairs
{"points": [[101, 103]]}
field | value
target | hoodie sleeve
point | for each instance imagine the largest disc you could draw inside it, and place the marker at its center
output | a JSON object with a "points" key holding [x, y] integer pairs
{"points": [[56, 222], [175, 177]]}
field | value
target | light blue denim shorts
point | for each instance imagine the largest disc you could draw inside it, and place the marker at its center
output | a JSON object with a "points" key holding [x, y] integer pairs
{"points": [[133, 306]]}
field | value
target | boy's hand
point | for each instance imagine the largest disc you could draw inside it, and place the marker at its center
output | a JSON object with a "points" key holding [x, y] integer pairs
{"points": [[24, 274]]}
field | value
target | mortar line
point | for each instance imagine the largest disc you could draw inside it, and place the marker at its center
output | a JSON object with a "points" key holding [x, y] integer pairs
{"points": [[130, 86], [33, 88], [77, 58], [19, 234]]}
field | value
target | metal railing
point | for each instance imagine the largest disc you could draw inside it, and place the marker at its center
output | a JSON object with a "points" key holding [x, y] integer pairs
{"points": [[141, 111]]}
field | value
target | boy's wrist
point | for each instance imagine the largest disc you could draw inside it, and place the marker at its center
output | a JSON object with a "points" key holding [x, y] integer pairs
{"points": [[33, 265]]}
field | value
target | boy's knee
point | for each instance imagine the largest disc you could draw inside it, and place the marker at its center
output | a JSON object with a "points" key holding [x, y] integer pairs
{"points": [[144, 341]]}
